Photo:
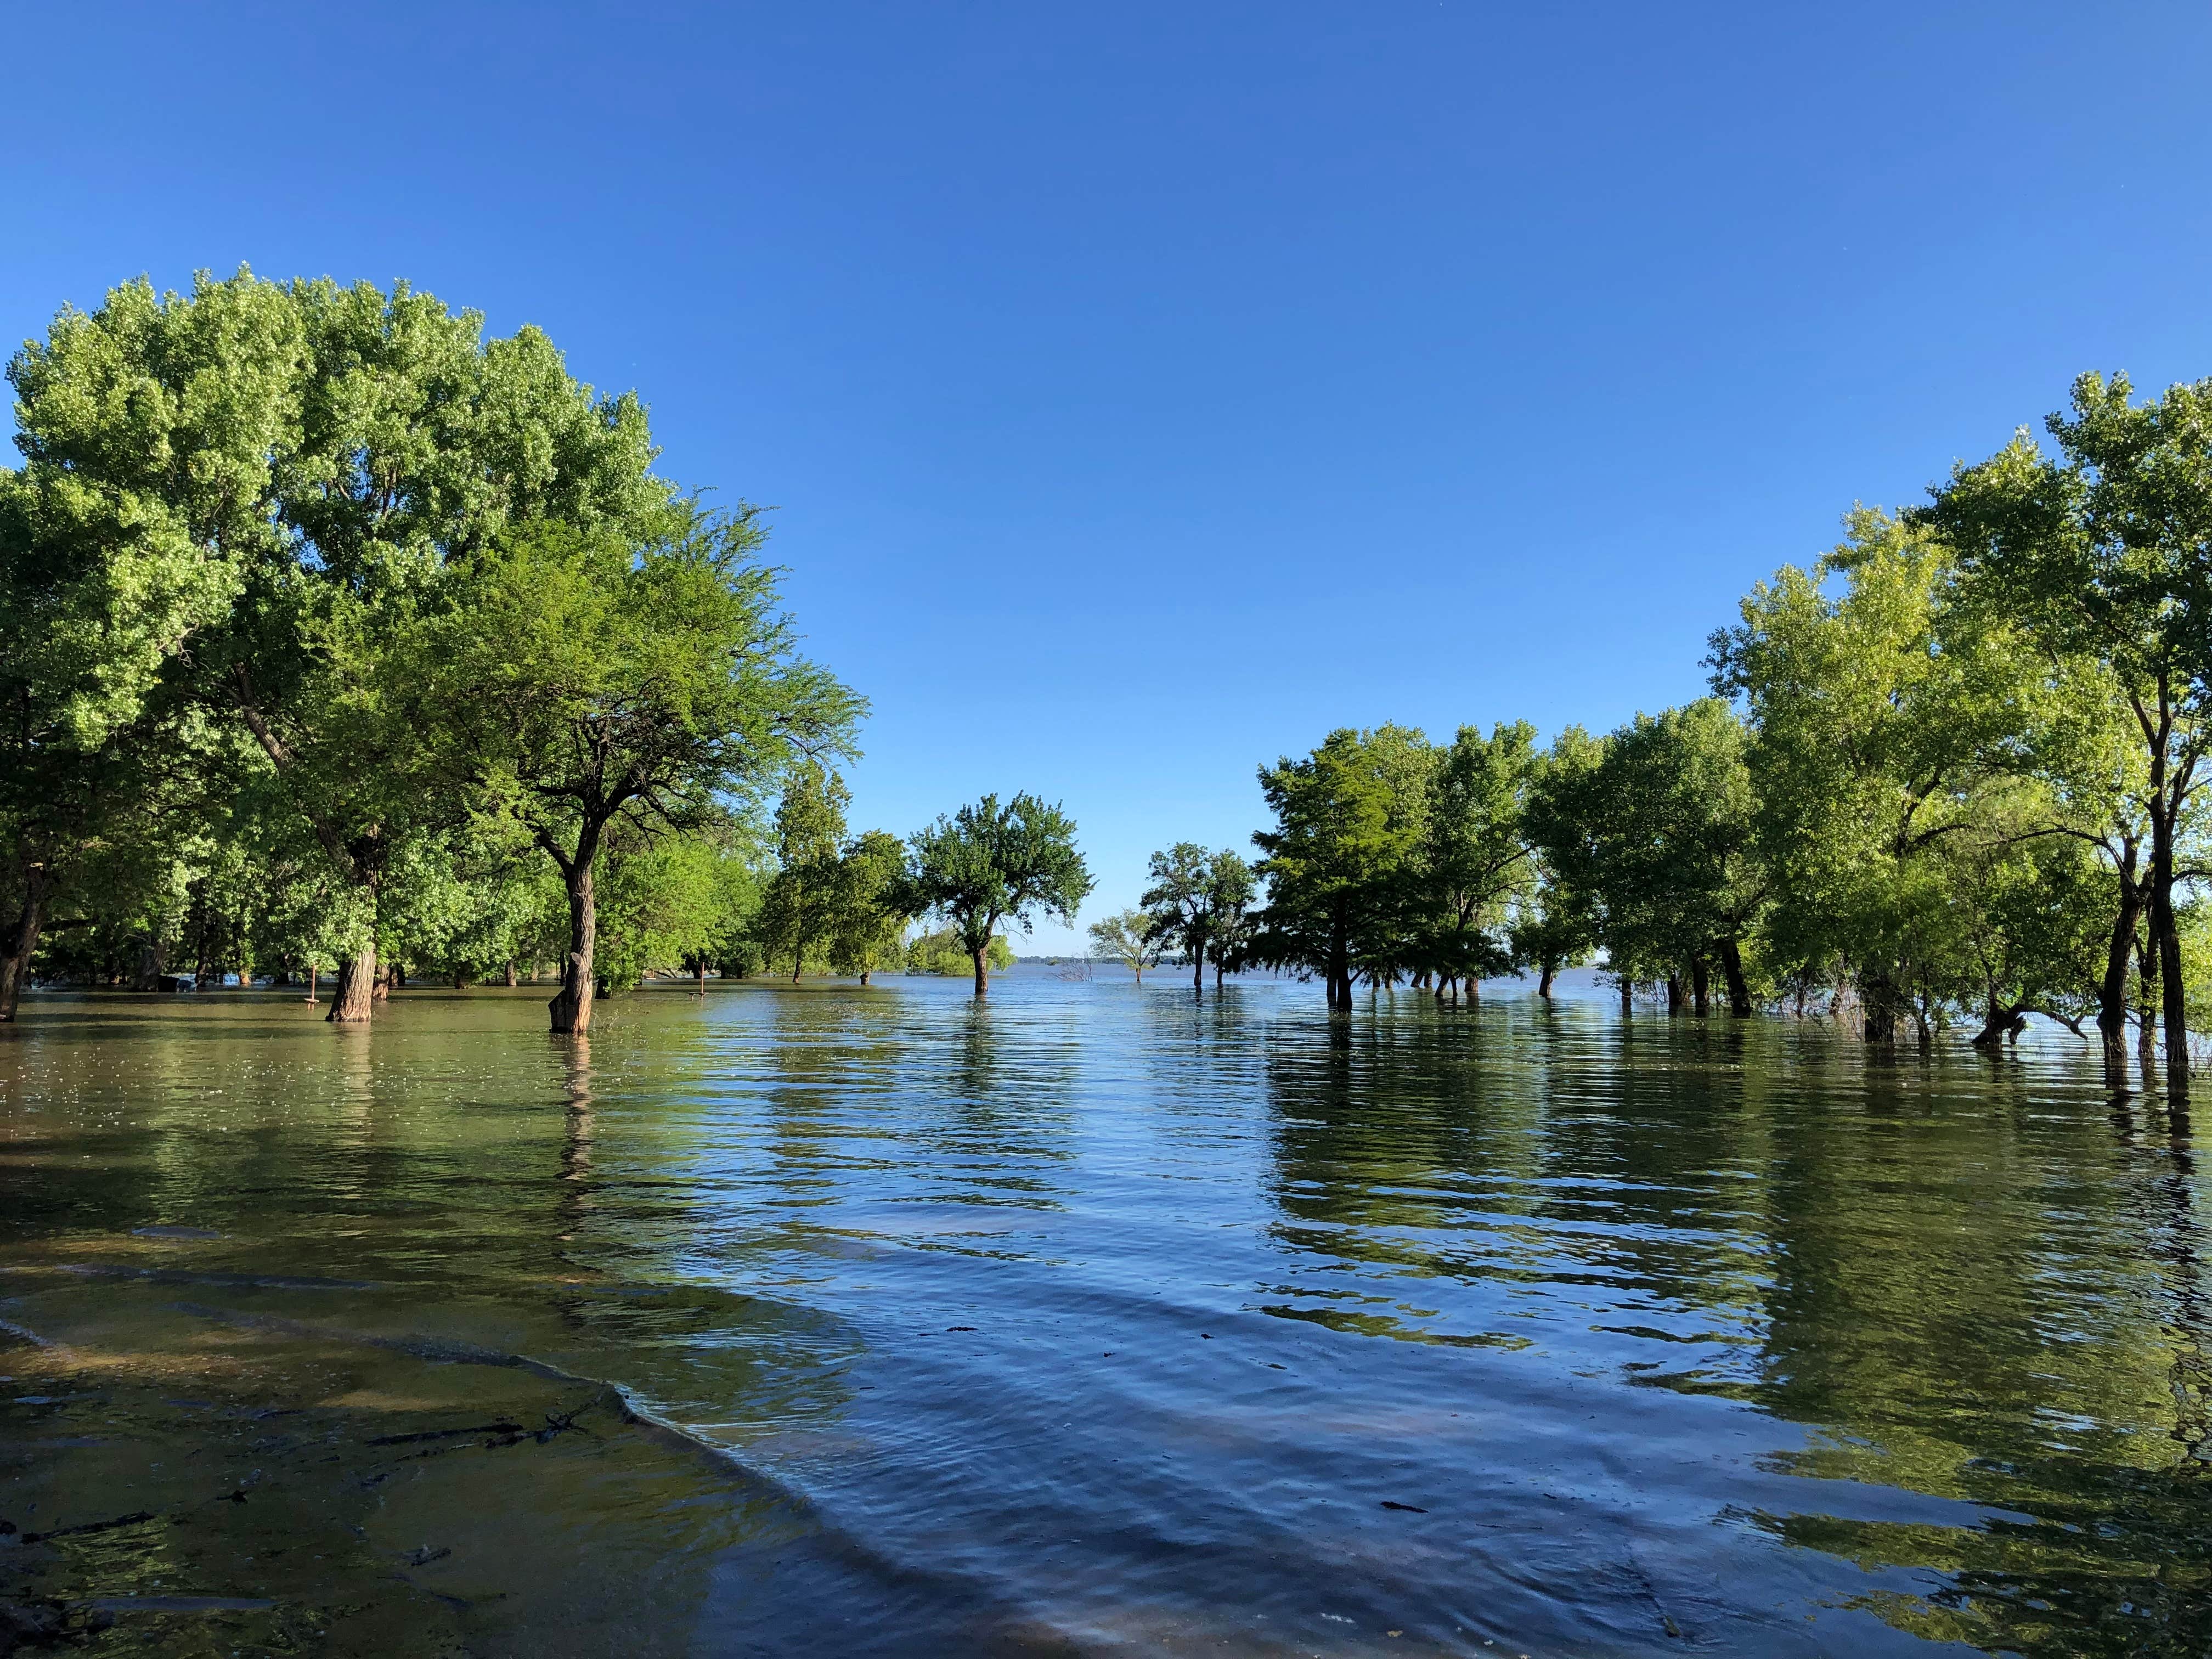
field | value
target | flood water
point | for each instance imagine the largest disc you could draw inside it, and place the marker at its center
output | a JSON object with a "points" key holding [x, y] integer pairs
{"points": [[1091, 1320]]}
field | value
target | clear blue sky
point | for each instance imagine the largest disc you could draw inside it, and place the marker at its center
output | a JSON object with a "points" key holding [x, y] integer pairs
{"points": [[1144, 390]]}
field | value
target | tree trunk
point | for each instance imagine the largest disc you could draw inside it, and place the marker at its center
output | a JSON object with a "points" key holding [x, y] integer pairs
{"points": [[313, 972], [1879, 996], [1198, 969], [2112, 989], [1627, 996], [2165, 937], [984, 971], [1545, 969], [699, 975], [571, 1006], [1996, 1020], [1739, 994], [510, 973], [22, 941], [1701, 988], [152, 963], [1675, 993], [355, 992]]}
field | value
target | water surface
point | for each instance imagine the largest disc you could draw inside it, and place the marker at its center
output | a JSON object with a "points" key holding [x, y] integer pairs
{"points": [[1094, 1319]]}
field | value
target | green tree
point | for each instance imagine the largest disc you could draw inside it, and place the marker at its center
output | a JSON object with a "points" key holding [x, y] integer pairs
{"points": [[874, 903], [941, 952], [1178, 908], [1349, 819], [1132, 937], [282, 475], [595, 677], [1651, 834], [1888, 750], [801, 909], [1232, 886], [987, 865], [1473, 863], [1550, 930], [2098, 551]]}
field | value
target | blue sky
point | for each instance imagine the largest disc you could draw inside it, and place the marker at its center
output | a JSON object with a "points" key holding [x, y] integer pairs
{"points": [[1146, 390]]}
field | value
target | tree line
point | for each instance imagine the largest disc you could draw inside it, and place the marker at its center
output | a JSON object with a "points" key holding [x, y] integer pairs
{"points": [[335, 637], [1949, 773]]}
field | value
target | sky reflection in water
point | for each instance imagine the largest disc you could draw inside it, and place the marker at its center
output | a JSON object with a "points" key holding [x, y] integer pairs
{"points": [[833, 1320]]}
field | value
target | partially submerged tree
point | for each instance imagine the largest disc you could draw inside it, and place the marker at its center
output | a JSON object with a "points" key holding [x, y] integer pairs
{"points": [[1178, 909], [989, 865], [800, 912], [1473, 864], [1232, 886], [1130, 938], [278, 477], [2099, 552], [593, 678], [874, 903], [1348, 819]]}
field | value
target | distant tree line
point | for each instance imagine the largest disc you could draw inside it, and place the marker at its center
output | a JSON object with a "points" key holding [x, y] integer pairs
{"points": [[336, 638], [1949, 773]]}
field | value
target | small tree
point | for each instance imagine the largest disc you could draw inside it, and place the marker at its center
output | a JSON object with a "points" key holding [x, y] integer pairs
{"points": [[874, 904], [989, 864], [1131, 938], [800, 909]]}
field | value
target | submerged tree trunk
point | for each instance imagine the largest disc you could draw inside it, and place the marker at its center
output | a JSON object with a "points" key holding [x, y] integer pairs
{"points": [[2165, 936], [2112, 989], [984, 970], [1999, 1021], [1675, 993], [1627, 996], [1701, 987], [354, 994], [571, 1005], [22, 941], [313, 970], [699, 975], [1545, 971], [2173, 994], [152, 963], [1879, 996], [1739, 994]]}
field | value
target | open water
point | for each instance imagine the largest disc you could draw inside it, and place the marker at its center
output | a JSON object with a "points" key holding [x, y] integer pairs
{"points": [[1091, 1320]]}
